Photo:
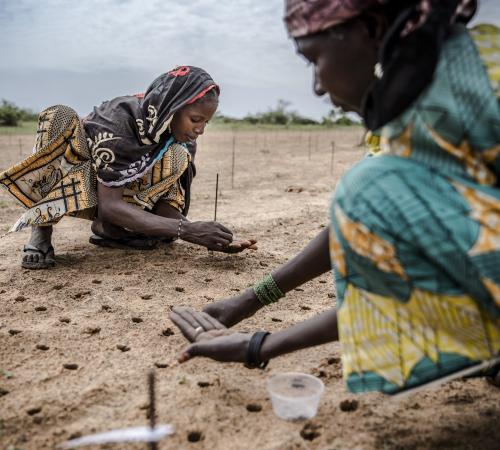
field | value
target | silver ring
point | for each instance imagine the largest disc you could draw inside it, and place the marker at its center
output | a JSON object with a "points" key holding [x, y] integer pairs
{"points": [[198, 330]]}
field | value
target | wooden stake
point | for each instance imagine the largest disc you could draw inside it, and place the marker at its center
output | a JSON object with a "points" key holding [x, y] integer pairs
{"points": [[152, 407], [333, 155], [216, 195], [232, 164]]}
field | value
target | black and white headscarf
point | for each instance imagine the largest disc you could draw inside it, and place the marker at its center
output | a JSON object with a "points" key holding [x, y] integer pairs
{"points": [[127, 135]]}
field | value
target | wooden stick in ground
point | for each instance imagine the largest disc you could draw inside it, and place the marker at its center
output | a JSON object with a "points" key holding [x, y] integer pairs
{"points": [[232, 164], [152, 407], [332, 160], [216, 196]]}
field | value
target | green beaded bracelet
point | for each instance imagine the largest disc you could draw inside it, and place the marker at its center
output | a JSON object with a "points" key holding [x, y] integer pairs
{"points": [[267, 291]]}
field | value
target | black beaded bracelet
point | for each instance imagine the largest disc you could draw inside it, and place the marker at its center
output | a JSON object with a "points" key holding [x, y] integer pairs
{"points": [[253, 351]]}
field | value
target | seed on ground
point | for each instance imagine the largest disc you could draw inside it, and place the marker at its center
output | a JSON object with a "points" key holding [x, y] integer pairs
{"points": [[137, 320], [3, 392], [57, 287], [42, 347], [40, 308], [179, 289], [65, 320], [275, 319], [305, 308], [106, 308], [14, 332], [254, 407], [147, 296], [97, 281], [167, 332], [92, 330], [118, 288], [161, 365], [20, 298], [203, 384], [34, 410], [349, 405], [195, 436], [123, 348], [70, 366], [310, 431]]}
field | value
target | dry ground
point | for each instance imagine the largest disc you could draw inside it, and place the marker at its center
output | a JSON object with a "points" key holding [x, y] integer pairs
{"points": [[97, 299]]}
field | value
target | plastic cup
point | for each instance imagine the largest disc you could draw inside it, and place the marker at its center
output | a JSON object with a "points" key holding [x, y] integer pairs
{"points": [[295, 396]]}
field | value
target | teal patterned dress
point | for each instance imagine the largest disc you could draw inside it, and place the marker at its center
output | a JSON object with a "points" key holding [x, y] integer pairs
{"points": [[415, 236]]}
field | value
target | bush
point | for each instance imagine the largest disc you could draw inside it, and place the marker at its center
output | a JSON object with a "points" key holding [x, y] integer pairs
{"points": [[11, 115]]}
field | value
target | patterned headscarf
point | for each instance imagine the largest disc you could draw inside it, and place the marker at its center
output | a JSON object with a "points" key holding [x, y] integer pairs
{"points": [[126, 135], [409, 51]]}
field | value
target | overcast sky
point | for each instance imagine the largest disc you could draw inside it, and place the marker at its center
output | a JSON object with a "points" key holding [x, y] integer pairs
{"points": [[81, 52]]}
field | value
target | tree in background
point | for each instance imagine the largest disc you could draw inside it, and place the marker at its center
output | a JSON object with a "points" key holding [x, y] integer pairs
{"points": [[11, 115]]}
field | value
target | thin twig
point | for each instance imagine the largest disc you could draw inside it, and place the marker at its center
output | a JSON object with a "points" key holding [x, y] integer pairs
{"points": [[216, 195], [232, 165], [333, 156], [152, 407]]}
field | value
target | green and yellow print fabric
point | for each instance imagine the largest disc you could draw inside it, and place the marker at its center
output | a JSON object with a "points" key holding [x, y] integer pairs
{"points": [[487, 39], [415, 236]]}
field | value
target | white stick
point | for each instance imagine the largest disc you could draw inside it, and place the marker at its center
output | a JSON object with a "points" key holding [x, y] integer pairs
{"points": [[135, 434]]}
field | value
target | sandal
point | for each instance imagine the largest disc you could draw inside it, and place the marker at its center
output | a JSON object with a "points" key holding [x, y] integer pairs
{"points": [[48, 258], [125, 243]]}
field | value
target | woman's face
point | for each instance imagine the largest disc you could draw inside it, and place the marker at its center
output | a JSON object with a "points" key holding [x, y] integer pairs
{"points": [[189, 122], [343, 58]]}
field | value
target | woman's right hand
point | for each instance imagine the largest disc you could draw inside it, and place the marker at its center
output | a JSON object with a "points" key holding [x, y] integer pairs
{"points": [[232, 310], [211, 235]]}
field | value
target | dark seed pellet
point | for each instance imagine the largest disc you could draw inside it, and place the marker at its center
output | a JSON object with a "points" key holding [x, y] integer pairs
{"points": [[123, 348], [33, 411], [70, 366], [349, 405], [42, 347], [137, 320], [195, 436], [254, 407]]}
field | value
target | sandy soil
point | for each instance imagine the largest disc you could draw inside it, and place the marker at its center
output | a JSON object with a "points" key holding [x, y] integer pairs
{"points": [[97, 299]]}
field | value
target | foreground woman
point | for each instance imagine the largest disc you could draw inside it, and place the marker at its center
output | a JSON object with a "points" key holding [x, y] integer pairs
{"points": [[127, 166], [415, 230]]}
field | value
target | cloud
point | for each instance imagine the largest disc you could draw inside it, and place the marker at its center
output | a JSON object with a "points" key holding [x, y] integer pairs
{"points": [[81, 44]]}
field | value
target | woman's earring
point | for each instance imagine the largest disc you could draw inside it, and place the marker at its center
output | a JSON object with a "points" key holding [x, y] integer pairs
{"points": [[378, 71]]}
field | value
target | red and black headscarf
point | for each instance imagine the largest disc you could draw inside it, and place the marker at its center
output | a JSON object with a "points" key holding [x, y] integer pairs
{"points": [[409, 52], [126, 134]]}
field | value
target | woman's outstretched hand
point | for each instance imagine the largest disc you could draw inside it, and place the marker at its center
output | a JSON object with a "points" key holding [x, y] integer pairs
{"points": [[214, 236], [210, 338], [232, 310]]}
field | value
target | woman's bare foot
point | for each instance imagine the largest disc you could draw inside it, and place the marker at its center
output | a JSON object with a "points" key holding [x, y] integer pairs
{"points": [[38, 253]]}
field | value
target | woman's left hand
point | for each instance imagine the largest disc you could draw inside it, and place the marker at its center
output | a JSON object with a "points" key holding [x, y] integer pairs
{"points": [[211, 338]]}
